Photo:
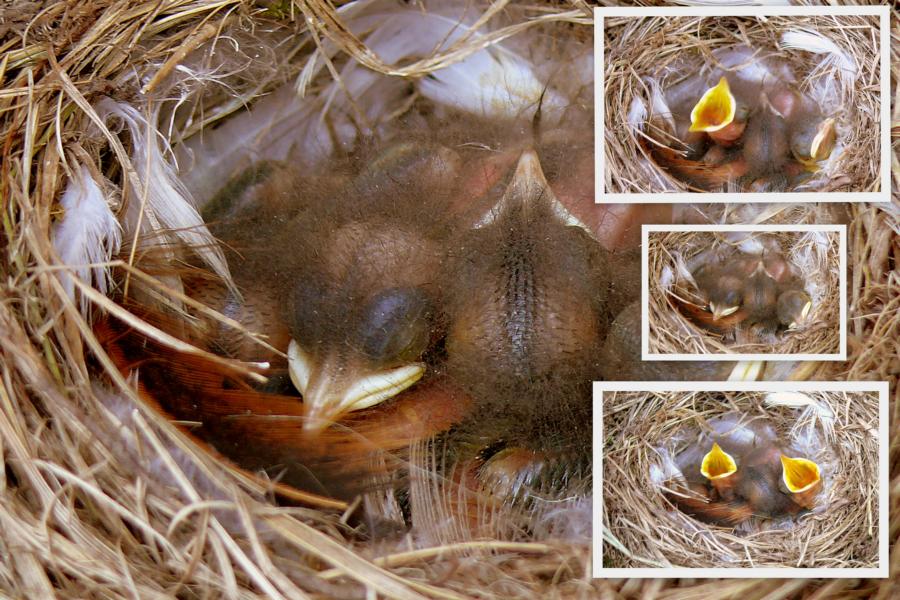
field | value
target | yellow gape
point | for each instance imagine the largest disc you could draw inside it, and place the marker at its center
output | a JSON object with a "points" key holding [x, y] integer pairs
{"points": [[715, 110], [799, 474], [717, 464]]}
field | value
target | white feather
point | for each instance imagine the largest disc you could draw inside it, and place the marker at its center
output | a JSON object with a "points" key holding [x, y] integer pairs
{"points": [[159, 205], [88, 234], [734, 2], [290, 125], [637, 114], [792, 399], [824, 89], [666, 469], [747, 371], [682, 268], [495, 80], [753, 65], [491, 83], [658, 105], [666, 278]]}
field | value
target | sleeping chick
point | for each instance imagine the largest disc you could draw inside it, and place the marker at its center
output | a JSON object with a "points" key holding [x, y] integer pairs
{"points": [[525, 309], [355, 263]]}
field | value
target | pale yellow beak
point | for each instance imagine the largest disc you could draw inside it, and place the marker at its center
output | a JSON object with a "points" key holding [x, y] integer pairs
{"points": [[335, 386], [821, 146], [799, 474], [717, 464], [803, 314], [824, 141], [715, 110], [719, 312]]}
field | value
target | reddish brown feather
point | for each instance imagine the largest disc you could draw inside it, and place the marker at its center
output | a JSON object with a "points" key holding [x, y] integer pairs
{"points": [[719, 513], [261, 431], [701, 175], [703, 318]]}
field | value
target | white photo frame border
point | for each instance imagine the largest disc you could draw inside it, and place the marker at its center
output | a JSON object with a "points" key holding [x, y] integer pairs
{"points": [[879, 387], [602, 197], [841, 230]]}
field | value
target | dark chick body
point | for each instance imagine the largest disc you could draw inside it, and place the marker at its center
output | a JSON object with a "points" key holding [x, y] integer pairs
{"points": [[525, 312], [752, 290]]}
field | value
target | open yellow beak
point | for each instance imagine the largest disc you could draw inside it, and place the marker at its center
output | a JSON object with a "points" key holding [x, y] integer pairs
{"points": [[799, 474], [717, 464], [715, 110], [333, 387]]}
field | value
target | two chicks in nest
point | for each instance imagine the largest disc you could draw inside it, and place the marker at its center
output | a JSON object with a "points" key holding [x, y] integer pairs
{"points": [[744, 124], [742, 471], [418, 260], [760, 293]]}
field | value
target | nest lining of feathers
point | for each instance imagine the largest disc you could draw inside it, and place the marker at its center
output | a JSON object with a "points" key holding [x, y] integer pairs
{"points": [[642, 528], [103, 498], [642, 51], [672, 255]]}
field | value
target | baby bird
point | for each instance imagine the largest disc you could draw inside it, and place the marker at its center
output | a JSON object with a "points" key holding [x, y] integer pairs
{"points": [[812, 136], [755, 477], [722, 288], [525, 325], [793, 308], [356, 280], [749, 289], [760, 295], [742, 122], [766, 147], [620, 358]]}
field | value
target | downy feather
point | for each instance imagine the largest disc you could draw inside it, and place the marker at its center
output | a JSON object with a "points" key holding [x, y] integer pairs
{"points": [[168, 212], [287, 125], [88, 234], [824, 89]]}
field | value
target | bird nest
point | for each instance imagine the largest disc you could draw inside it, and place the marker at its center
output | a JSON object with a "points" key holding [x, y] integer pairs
{"points": [[644, 53], [100, 495], [813, 255], [642, 528]]}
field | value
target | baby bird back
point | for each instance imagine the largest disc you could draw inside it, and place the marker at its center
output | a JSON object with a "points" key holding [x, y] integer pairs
{"points": [[524, 314]]}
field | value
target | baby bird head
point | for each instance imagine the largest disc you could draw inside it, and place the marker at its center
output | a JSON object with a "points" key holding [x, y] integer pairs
{"points": [[766, 146], [725, 295], [363, 282], [760, 293], [715, 110], [379, 360], [803, 480], [524, 302], [793, 308], [720, 469], [812, 141]]}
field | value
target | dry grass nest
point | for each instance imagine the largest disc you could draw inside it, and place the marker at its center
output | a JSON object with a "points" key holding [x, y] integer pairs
{"points": [[815, 255], [643, 529], [99, 496], [641, 48]]}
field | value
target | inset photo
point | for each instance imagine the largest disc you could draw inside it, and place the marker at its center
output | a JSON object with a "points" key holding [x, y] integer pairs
{"points": [[783, 479], [751, 292], [786, 104]]}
